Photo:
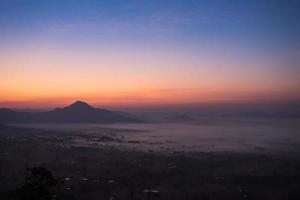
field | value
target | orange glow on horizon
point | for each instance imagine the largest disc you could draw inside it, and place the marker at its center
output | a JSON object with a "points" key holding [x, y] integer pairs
{"points": [[48, 78], [147, 98]]}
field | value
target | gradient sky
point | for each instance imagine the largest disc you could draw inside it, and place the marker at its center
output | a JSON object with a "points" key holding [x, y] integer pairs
{"points": [[148, 52]]}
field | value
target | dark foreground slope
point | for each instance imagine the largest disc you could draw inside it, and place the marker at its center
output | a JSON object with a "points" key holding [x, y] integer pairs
{"points": [[78, 112]]}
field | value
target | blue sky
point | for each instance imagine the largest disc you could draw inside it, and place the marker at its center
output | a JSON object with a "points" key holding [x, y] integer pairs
{"points": [[257, 41], [272, 23]]}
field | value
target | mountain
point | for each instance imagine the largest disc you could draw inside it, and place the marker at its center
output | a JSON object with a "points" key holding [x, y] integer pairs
{"points": [[78, 112]]}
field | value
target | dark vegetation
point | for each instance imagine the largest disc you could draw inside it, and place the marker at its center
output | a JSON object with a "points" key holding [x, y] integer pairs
{"points": [[112, 173], [39, 184]]}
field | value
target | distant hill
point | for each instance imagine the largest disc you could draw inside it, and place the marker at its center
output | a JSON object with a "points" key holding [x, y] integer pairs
{"points": [[78, 112], [179, 118]]}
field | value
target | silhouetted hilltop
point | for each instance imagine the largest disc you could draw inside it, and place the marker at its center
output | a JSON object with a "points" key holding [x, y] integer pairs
{"points": [[79, 106], [78, 112]]}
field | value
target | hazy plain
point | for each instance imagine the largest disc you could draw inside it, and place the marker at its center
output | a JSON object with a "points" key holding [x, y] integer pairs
{"points": [[213, 159], [264, 136]]}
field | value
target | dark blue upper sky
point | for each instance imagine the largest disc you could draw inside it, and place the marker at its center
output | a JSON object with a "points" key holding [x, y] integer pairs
{"points": [[273, 23]]}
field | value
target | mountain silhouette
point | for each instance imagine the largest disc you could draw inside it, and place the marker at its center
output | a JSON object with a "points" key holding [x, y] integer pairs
{"points": [[77, 112], [79, 105]]}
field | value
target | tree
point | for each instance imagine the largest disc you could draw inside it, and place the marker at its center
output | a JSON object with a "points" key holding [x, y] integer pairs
{"points": [[40, 184]]}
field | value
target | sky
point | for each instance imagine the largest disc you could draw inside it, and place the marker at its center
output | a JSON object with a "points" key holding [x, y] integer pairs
{"points": [[148, 52]]}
